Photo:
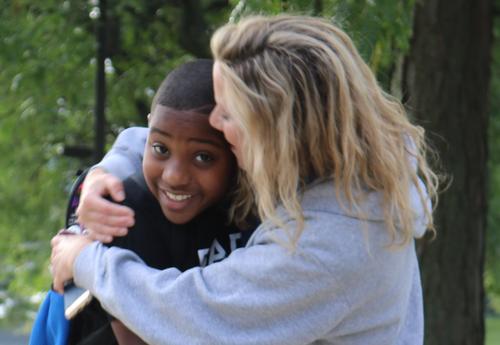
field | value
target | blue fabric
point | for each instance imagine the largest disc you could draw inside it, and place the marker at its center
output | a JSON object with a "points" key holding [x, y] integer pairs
{"points": [[50, 327]]}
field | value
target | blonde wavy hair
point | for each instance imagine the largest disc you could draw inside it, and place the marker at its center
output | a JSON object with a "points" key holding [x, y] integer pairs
{"points": [[310, 108]]}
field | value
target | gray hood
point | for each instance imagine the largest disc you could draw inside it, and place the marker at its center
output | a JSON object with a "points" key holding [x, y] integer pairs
{"points": [[319, 198]]}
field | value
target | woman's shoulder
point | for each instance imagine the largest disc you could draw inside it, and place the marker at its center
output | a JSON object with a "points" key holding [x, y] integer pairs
{"points": [[133, 135], [339, 239]]}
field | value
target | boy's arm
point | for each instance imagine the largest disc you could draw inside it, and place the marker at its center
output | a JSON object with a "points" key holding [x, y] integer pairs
{"points": [[102, 218], [125, 336]]}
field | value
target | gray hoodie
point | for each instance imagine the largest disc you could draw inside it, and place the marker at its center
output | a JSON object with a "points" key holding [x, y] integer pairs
{"points": [[342, 285]]}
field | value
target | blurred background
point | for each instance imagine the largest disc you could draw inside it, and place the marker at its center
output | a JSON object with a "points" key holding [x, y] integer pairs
{"points": [[75, 73]]}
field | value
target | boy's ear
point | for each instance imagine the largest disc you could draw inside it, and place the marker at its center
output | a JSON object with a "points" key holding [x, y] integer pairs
{"points": [[149, 118]]}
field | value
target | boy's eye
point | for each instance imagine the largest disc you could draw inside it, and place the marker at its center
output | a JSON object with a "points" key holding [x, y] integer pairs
{"points": [[160, 149], [204, 158]]}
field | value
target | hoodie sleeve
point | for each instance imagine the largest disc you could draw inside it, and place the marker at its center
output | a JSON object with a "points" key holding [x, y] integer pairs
{"points": [[125, 157], [261, 294]]}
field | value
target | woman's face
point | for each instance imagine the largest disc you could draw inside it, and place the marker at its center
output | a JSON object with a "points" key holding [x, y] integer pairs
{"points": [[220, 119], [187, 164]]}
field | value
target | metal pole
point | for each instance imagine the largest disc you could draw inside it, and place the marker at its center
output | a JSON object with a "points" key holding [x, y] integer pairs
{"points": [[100, 85]]}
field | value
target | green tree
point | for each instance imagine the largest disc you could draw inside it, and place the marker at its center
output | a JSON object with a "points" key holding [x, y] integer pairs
{"points": [[34, 120]]}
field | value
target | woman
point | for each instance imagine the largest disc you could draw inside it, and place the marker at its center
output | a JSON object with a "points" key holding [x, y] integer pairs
{"points": [[332, 164]]}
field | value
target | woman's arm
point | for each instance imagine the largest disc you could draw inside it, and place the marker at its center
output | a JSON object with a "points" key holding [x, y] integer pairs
{"points": [[125, 157], [262, 294], [102, 218]]}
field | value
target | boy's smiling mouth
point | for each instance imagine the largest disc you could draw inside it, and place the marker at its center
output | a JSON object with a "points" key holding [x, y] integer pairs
{"points": [[177, 197], [172, 202]]}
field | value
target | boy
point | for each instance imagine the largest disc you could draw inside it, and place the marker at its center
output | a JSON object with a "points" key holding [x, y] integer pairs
{"points": [[180, 200]]}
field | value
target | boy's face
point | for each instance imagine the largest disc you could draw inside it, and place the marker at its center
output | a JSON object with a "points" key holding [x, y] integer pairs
{"points": [[187, 165]]}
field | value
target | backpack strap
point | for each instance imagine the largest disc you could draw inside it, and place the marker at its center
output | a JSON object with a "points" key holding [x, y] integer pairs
{"points": [[74, 198]]}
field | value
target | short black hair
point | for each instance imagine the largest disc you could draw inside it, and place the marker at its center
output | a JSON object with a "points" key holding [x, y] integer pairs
{"points": [[188, 87]]}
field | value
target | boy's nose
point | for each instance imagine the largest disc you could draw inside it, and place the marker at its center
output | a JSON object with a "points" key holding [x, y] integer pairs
{"points": [[176, 174]]}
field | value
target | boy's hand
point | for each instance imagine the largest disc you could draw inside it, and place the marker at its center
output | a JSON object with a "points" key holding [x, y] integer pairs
{"points": [[65, 249], [102, 218]]}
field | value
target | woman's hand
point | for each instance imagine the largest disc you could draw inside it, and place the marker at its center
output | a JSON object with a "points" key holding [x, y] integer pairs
{"points": [[65, 249], [102, 218]]}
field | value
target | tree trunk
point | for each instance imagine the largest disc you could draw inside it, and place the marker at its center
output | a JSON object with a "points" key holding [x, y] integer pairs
{"points": [[446, 83]]}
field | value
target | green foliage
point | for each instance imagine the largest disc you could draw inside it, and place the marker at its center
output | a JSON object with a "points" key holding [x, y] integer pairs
{"points": [[47, 73], [492, 331], [36, 61], [381, 29]]}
